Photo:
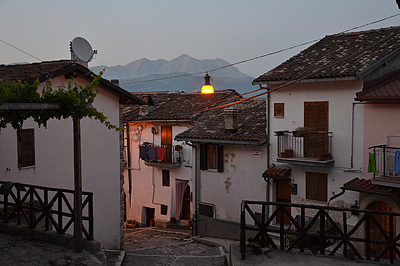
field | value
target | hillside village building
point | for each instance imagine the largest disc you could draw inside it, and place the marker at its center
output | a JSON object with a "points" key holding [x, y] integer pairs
{"points": [[44, 158]]}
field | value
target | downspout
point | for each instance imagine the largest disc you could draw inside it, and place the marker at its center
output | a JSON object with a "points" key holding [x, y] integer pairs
{"points": [[195, 229], [128, 139], [268, 150]]}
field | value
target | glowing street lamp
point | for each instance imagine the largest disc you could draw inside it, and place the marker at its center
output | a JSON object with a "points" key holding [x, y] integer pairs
{"points": [[207, 88]]}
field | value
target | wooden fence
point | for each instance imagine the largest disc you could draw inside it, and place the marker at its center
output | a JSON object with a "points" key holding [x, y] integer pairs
{"points": [[49, 208], [356, 240]]}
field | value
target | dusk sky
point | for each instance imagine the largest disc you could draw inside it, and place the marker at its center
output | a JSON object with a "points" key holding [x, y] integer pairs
{"points": [[126, 30]]}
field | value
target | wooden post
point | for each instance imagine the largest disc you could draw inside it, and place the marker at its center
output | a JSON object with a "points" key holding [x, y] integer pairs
{"points": [[77, 185]]}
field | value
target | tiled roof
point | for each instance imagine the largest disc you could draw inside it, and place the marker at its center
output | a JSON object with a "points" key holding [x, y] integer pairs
{"points": [[31, 72], [337, 56], [386, 88], [211, 126], [175, 105], [365, 185], [277, 172], [51, 69]]}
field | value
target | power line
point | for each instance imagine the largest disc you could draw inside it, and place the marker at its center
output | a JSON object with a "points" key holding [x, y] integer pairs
{"points": [[20, 50], [257, 57]]}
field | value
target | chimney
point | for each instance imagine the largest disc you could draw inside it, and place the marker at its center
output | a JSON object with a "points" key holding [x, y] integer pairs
{"points": [[115, 82], [148, 107], [230, 115]]}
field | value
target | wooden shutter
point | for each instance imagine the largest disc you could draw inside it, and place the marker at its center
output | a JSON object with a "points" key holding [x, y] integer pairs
{"points": [[316, 116], [26, 148], [316, 186], [203, 156], [220, 159], [166, 140]]}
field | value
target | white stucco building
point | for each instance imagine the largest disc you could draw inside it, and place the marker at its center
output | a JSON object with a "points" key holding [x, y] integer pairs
{"points": [[52, 164], [158, 187]]}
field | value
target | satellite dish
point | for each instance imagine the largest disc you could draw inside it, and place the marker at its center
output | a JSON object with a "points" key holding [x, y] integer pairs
{"points": [[82, 49]]}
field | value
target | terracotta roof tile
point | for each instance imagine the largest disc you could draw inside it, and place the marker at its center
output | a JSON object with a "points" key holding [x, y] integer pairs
{"points": [[386, 88], [30, 72], [251, 124], [277, 172], [365, 185], [337, 55], [175, 105]]}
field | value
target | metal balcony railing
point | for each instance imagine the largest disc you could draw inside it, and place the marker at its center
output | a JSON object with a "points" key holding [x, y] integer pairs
{"points": [[309, 145], [384, 164]]}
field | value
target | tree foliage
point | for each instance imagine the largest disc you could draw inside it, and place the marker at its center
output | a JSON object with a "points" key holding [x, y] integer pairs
{"points": [[75, 100]]}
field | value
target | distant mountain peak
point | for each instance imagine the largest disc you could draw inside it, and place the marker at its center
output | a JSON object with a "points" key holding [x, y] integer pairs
{"points": [[184, 63]]}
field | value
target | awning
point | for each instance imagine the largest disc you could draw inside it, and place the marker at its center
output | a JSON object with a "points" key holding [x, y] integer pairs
{"points": [[277, 172], [365, 185]]}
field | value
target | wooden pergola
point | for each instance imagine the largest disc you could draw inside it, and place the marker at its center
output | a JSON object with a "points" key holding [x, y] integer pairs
{"points": [[77, 162]]}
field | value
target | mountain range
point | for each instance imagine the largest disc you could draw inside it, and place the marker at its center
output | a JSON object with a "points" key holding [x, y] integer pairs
{"points": [[155, 75]]}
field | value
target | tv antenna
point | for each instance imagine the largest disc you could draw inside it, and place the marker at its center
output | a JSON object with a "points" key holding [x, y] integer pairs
{"points": [[81, 50]]}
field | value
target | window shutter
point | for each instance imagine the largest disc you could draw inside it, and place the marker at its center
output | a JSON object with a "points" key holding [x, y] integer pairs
{"points": [[26, 148], [203, 156], [220, 159]]}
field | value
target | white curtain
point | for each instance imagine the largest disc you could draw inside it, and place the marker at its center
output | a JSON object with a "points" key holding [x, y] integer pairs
{"points": [[180, 188]]}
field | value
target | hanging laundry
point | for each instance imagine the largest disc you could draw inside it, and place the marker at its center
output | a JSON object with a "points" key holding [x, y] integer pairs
{"points": [[152, 153], [143, 152], [372, 163], [161, 154], [397, 162]]}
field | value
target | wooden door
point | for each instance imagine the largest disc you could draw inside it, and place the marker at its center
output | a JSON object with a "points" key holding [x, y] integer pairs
{"points": [[166, 140], [185, 214], [383, 220], [316, 116], [283, 194]]}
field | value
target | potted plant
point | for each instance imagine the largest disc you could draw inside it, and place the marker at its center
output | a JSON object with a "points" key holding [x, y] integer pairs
{"points": [[300, 132], [178, 147], [280, 133], [173, 220], [152, 222]]}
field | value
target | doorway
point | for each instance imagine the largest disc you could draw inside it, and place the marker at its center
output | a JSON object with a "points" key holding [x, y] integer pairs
{"points": [[383, 220], [185, 214], [166, 140], [283, 194], [149, 215]]}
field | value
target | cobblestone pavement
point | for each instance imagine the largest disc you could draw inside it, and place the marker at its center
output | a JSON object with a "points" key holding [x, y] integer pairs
{"points": [[151, 246], [19, 251]]}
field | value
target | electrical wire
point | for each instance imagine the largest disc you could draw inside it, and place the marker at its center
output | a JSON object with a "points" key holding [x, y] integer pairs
{"points": [[301, 78], [20, 50], [258, 57]]}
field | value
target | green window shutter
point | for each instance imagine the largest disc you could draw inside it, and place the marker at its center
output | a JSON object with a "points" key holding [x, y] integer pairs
{"points": [[203, 156], [220, 158]]}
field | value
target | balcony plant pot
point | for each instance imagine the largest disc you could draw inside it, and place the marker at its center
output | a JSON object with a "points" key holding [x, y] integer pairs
{"points": [[289, 153], [280, 133], [178, 148], [298, 134]]}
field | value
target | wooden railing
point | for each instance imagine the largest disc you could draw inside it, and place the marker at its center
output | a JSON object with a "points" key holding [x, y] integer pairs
{"points": [[45, 207], [353, 240]]}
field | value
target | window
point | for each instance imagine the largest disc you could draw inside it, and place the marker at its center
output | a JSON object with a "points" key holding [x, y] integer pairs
{"points": [[279, 109], [212, 157], [165, 178], [317, 186], [26, 147]]}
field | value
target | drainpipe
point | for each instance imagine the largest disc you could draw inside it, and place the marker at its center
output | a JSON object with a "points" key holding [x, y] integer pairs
{"points": [[268, 150], [195, 228], [128, 157]]}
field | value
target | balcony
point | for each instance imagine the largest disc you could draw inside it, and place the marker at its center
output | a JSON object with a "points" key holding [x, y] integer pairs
{"points": [[384, 167], [169, 156], [308, 149]]}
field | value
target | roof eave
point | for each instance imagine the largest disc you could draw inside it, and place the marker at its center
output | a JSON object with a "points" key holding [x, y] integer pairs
{"points": [[220, 141], [278, 82]]}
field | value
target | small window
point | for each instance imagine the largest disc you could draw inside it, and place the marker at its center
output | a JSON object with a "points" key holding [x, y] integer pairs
{"points": [[212, 157], [279, 109], [317, 186], [165, 178], [26, 148], [164, 209]]}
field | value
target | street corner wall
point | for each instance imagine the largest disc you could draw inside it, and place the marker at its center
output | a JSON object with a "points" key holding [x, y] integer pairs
{"points": [[241, 180]]}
